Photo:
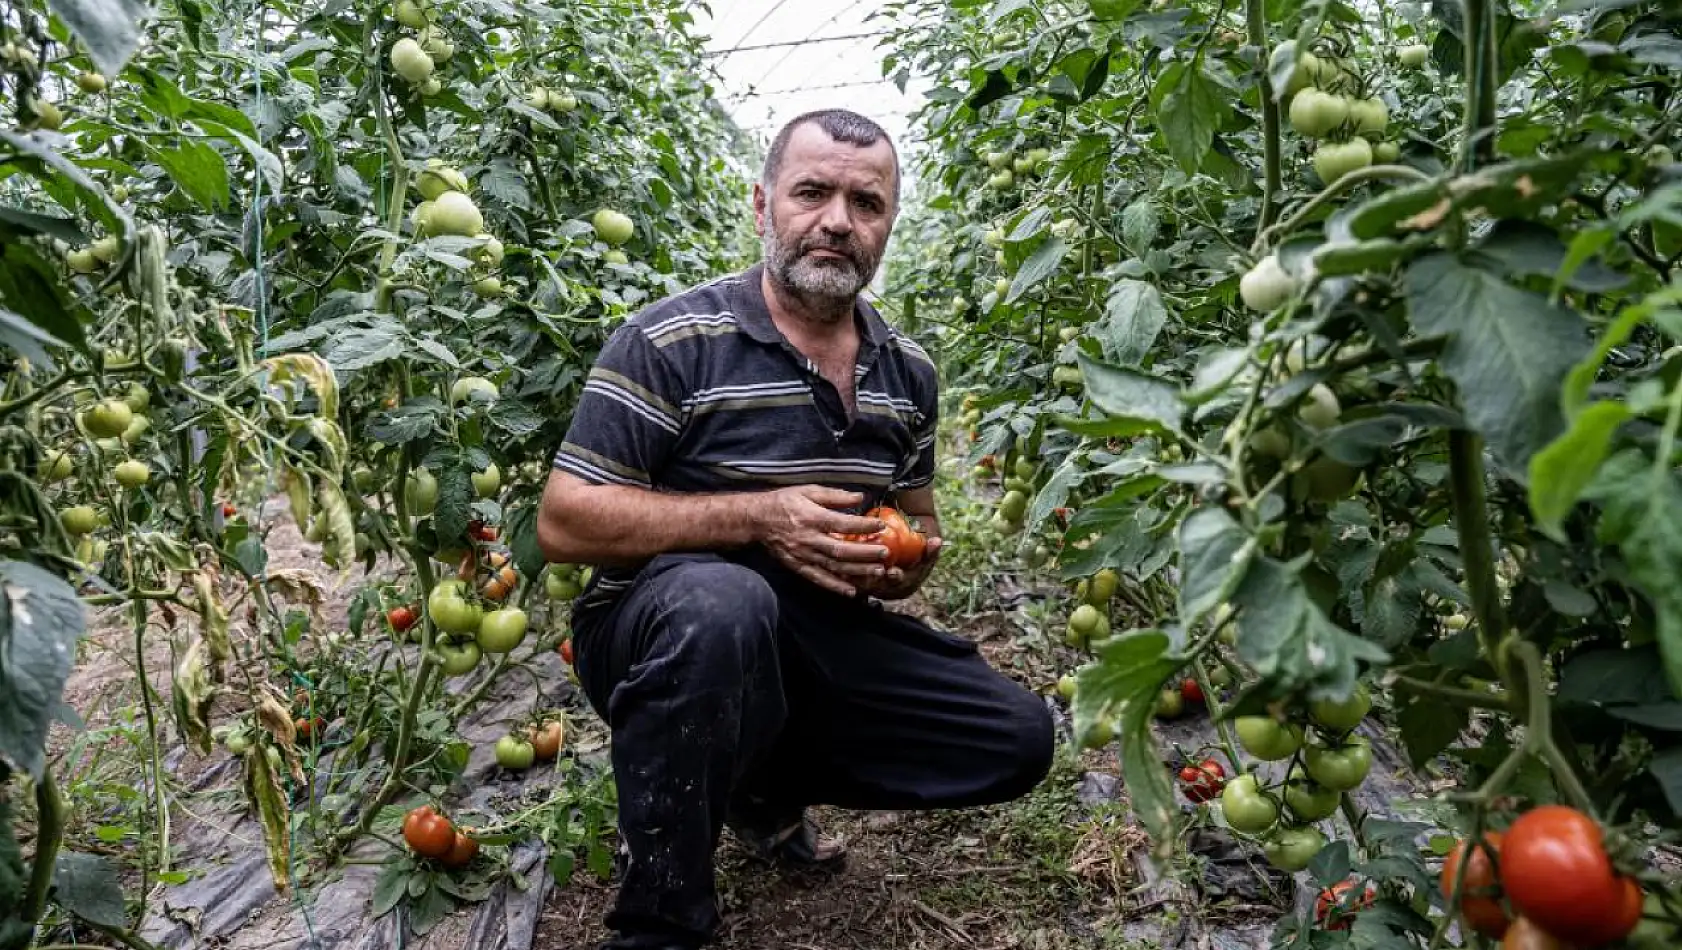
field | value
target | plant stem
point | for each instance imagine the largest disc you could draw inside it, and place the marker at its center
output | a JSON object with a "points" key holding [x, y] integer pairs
{"points": [[49, 832], [1223, 729], [1465, 463], [1454, 696], [1480, 85], [1255, 16], [1333, 190]]}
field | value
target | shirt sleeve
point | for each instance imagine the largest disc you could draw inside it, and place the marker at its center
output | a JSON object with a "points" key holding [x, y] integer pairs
{"points": [[628, 417], [924, 429]]}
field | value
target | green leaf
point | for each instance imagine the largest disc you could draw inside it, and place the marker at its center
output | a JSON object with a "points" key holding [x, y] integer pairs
{"points": [[1133, 317], [1125, 680], [1525, 248], [1289, 641], [23, 223], [1667, 771], [1140, 224], [1054, 493], [87, 885], [1112, 10], [561, 863], [1214, 553], [1428, 726], [1128, 394], [1331, 864], [430, 910], [1508, 351], [1032, 225], [1560, 472], [1583, 375], [1039, 265], [110, 29], [40, 621], [455, 501], [1614, 677], [30, 287], [522, 542], [199, 170], [1642, 514], [1188, 108]]}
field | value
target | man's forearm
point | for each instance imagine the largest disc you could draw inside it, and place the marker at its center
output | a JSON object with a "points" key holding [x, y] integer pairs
{"points": [[616, 524]]}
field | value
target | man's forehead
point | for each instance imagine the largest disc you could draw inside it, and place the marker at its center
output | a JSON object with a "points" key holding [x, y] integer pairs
{"points": [[810, 149]]}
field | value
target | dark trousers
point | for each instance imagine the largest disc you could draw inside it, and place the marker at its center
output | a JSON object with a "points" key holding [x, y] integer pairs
{"points": [[732, 680]]}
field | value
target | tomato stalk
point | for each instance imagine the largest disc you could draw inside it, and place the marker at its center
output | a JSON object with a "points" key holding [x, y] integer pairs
{"points": [[1471, 518], [399, 173], [1211, 699], [49, 833], [1255, 17], [1331, 191]]}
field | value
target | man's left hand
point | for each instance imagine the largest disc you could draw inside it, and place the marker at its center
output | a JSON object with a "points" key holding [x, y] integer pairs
{"points": [[899, 583]]}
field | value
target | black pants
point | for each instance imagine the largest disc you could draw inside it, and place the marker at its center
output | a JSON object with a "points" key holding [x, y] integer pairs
{"points": [[729, 680]]}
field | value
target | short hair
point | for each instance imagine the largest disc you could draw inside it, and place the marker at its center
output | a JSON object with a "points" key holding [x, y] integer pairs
{"points": [[842, 125]]}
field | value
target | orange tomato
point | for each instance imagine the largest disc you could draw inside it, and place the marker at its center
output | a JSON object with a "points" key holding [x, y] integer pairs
{"points": [[1480, 907], [462, 852], [428, 833], [546, 739], [905, 544]]}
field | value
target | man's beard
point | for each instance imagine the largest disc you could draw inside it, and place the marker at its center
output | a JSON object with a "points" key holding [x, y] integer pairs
{"points": [[831, 281]]}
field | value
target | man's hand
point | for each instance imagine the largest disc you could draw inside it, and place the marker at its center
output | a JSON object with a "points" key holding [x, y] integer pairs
{"points": [[900, 583], [797, 525]]}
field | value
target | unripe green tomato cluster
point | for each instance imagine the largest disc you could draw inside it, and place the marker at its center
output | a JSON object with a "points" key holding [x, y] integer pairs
{"points": [[1320, 107]]}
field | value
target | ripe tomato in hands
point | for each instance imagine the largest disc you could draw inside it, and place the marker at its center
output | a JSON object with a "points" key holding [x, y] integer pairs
{"points": [[905, 544]]}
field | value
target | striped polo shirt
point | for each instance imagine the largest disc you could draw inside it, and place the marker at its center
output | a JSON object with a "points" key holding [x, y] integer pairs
{"points": [[700, 392]]}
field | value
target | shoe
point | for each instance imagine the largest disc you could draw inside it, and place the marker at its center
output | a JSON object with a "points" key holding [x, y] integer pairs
{"points": [[798, 845]]}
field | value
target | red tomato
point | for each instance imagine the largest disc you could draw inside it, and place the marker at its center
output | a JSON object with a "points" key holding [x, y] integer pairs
{"points": [[566, 651], [1191, 691], [228, 509], [401, 618], [1556, 872], [307, 727], [428, 833], [462, 852], [1335, 910], [1203, 781], [1480, 905]]}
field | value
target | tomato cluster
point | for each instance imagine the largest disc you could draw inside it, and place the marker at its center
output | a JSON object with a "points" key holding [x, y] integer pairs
{"points": [[1552, 867], [1203, 781], [431, 835]]}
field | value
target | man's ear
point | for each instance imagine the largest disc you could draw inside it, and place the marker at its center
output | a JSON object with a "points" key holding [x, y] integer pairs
{"points": [[759, 209]]}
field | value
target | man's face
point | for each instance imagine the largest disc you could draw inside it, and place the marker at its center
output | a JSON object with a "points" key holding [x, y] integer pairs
{"points": [[826, 222]]}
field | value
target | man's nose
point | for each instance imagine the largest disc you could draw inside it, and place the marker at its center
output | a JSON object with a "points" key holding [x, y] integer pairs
{"points": [[837, 219]]}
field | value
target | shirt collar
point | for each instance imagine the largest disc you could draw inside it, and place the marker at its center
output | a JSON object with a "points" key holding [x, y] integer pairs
{"points": [[753, 314]]}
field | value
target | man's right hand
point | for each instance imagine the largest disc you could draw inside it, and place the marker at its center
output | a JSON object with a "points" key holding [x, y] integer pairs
{"points": [[798, 526]]}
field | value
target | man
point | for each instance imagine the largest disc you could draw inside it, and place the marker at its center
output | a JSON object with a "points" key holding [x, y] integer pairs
{"points": [[738, 648]]}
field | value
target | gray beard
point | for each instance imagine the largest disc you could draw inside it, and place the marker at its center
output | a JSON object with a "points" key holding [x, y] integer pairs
{"points": [[827, 285]]}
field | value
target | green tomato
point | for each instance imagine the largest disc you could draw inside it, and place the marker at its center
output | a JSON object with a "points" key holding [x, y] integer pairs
{"points": [[1370, 116], [1267, 286], [458, 659], [472, 388], [994, 238], [422, 492], [613, 227], [79, 520], [55, 467], [1324, 480], [1333, 160], [1414, 55], [108, 419], [1385, 153], [1001, 180], [513, 752], [138, 397], [1104, 585], [501, 630], [132, 474], [1100, 736], [1271, 443], [1314, 113], [1340, 717], [1247, 808], [1087, 621], [488, 482], [1320, 409], [561, 588], [362, 477], [997, 161], [1308, 800], [616, 256], [450, 611], [1013, 506], [1341, 767], [1067, 377], [488, 288], [1268, 739], [136, 429], [1290, 849], [1170, 704], [1066, 687], [237, 742]]}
